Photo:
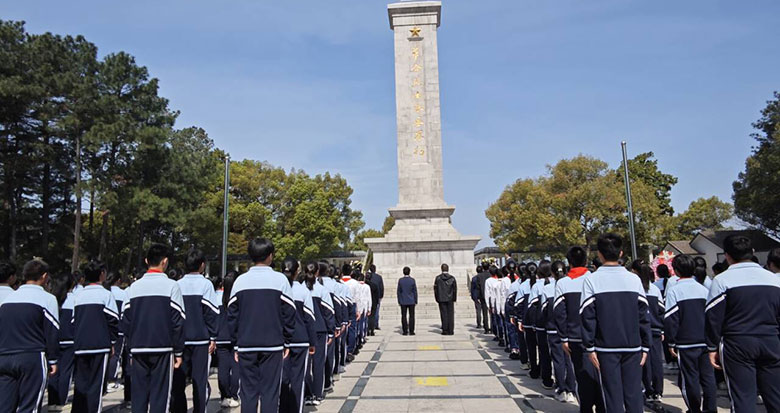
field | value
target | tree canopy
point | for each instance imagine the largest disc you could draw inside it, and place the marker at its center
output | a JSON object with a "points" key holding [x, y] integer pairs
{"points": [[91, 162]]}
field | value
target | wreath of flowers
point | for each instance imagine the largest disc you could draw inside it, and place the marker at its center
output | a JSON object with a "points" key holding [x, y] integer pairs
{"points": [[665, 257]]}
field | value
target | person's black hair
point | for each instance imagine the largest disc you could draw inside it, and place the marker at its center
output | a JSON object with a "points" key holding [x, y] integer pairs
{"points": [[372, 268], [445, 268], [700, 272], [662, 271], [217, 281], [493, 270], [309, 274], [772, 258], [738, 247], [479, 269], [112, 278], [407, 270], [577, 256], [322, 272], [558, 269], [522, 271], [92, 271], [683, 265], [260, 249], [194, 260], [346, 270], [719, 267], [754, 259], [227, 287], [610, 245], [60, 285], [644, 272], [156, 253], [290, 268], [333, 271], [531, 268], [485, 266], [596, 263], [545, 268], [173, 274], [33, 270], [6, 271]]}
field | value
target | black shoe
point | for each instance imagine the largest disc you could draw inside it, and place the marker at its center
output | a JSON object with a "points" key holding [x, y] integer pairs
{"points": [[411, 334], [377, 328], [350, 358], [479, 325], [507, 350], [405, 333], [487, 331], [501, 343], [495, 338], [514, 356]]}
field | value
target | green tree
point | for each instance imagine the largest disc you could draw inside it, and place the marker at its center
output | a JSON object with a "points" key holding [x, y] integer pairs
{"points": [[755, 200], [644, 168], [704, 213]]}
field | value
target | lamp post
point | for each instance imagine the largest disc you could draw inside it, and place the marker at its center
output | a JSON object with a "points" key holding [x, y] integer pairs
{"points": [[628, 200], [225, 215]]}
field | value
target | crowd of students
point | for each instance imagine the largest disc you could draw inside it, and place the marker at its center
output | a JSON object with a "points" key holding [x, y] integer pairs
{"points": [[280, 339], [599, 335]]}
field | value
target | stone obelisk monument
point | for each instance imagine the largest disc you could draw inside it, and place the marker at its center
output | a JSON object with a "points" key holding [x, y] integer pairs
{"points": [[423, 236]]}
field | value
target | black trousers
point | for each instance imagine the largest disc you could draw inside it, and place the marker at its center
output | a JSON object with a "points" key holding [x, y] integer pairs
{"points": [[478, 311], [59, 384], [752, 365], [261, 380], [653, 370], [530, 343], [195, 365], [588, 387], [407, 324], [315, 379], [330, 358], [485, 316], [621, 381], [152, 374], [89, 372], [227, 372], [562, 366], [545, 362], [295, 367], [22, 381], [698, 377], [447, 313], [114, 360]]}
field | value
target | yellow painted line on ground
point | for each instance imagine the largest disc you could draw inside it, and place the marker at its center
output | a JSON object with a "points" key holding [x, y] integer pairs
{"points": [[429, 348], [432, 381]]}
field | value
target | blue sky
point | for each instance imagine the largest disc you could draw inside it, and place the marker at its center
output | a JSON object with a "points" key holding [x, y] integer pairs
{"points": [[523, 83]]}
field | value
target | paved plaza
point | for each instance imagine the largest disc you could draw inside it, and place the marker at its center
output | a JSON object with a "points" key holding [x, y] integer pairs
{"points": [[429, 372]]}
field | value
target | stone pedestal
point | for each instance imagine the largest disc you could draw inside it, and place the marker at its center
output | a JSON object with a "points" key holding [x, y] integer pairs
{"points": [[423, 236]]}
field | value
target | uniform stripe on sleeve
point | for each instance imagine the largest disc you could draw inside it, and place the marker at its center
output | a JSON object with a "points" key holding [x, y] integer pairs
{"points": [[642, 299], [715, 301], [179, 309], [110, 312], [671, 311], [232, 300], [51, 318], [287, 300], [558, 301], [586, 303], [209, 305]]}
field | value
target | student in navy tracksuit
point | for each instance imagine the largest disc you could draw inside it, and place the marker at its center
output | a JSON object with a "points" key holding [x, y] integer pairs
{"points": [[301, 348], [323, 326], [407, 299], [227, 366], [154, 307], [616, 331], [29, 341], [568, 292], [527, 318], [200, 335], [742, 328], [61, 287], [326, 277], [563, 371], [512, 333], [537, 302], [653, 370], [261, 316], [95, 329], [684, 326], [118, 355], [7, 279]]}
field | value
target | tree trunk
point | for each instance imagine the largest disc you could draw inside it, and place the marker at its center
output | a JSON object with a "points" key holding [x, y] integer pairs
{"points": [[10, 194], [74, 265], [91, 233], [45, 200], [140, 247], [103, 237]]}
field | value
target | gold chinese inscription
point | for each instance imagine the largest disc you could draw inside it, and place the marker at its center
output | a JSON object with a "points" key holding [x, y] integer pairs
{"points": [[419, 150], [418, 122], [418, 126], [418, 136], [416, 53], [416, 82], [416, 67], [419, 108]]}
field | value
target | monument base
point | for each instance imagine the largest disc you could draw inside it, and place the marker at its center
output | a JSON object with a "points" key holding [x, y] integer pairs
{"points": [[423, 239]]}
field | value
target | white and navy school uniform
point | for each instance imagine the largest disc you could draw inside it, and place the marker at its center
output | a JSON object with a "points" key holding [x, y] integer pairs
{"points": [[323, 327], [59, 384], [347, 317], [227, 366], [200, 328], [119, 355], [563, 371], [330, 356], [528, 335], [742, 325], [540, 323], [154, 306], [29, 343], [354, 296], [490, 297], [653, 370], [517, 347], [684, 327], [568, 324], [529, 325], [95, 330], [261, 317], [297, 363], [5, 291], [615, 325]]}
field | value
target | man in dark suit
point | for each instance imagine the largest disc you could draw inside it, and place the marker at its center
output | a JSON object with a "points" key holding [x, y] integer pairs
{"points": [[377, 279], [445, 290], [407, 299], [481, 278]]}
